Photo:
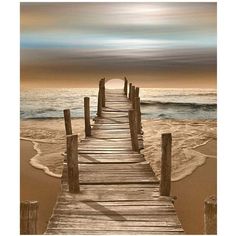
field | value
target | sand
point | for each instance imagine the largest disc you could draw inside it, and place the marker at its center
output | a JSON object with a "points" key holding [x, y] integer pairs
{"points": [[36, 185], [193, 189], [190, 191]]}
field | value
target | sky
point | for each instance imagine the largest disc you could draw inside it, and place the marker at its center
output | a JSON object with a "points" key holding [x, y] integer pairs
{"points": [[152, 44]]}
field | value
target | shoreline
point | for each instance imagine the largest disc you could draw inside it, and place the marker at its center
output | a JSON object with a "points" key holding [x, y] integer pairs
{"points": [[36, 185], [190, 191]]}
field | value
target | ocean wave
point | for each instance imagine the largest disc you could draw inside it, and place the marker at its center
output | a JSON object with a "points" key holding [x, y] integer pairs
{"points": [[44, 118], [189, 104]]}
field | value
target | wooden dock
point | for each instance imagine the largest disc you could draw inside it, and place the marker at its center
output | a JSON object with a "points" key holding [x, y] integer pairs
{"points": [[118, 191]]}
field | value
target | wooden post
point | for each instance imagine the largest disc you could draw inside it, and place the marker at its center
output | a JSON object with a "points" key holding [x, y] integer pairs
{"points": [[28, 217], [99, 107], [103, 92], [133, 96], [133, 131], [138, 115], [72, 163], [137, 92], [210, 215], [125, 86], [67, 120], [87, 117], [165, 183], [130, 86]]}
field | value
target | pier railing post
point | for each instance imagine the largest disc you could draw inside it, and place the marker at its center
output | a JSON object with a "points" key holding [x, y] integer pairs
{"points": [[165, 184], [133, 130], [87, 117], [99, 105], [138, 115], [210, 215], [137, 92], [67, 119], [133, 96], [28, 217], [125, 86], [72, 163], [103, 92], [130, 86]]}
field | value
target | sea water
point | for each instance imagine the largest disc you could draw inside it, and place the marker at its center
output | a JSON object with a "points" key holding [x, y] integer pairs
{"points": [[155, 103], [189, 114]]}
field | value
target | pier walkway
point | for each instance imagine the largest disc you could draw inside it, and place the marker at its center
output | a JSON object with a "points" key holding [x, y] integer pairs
{"points": [[119, 193]]}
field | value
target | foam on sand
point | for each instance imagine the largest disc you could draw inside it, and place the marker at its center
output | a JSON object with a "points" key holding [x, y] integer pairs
{"points": [[186, 137], [49, 141], [48, 137]]}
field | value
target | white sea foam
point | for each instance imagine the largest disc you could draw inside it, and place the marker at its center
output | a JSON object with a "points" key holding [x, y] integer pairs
{"points": [[186, 137], [48, 137]]}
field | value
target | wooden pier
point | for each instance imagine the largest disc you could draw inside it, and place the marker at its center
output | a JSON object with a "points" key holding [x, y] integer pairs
{"points": [[107, 186]]}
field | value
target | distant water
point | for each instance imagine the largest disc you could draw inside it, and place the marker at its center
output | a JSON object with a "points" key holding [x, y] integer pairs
{"points": [[158, 103]]}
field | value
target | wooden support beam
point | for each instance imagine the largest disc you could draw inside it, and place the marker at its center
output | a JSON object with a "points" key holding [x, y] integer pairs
{"points": [[130, 86], [138, 115], [133, 96], [67, 119], [87, 117], [28, 217], [210, 215], [133, 130], [72, 163], [125, 86], [165, 184], [137, 92]]}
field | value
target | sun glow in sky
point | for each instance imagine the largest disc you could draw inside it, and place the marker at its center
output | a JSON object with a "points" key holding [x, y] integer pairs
{"points": [[115, 84], [88, 40]]}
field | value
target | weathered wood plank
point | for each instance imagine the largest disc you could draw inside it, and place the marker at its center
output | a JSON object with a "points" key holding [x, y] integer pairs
{"points": [[119, 193], [108, 232]]}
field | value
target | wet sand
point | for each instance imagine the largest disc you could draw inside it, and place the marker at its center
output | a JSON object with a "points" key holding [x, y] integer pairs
{"points": [[36, 185], [190, 191]]}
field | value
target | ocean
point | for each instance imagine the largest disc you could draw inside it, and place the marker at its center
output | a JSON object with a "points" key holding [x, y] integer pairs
{"points": [[156, 103], [189, 114]]}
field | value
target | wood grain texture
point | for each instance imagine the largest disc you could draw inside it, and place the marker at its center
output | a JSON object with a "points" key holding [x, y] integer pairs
{"points": [[119, 193], [87, 117], [67, 120], [133, 130], [210, 215], [72, 163], [28, 217], [165, 164]]}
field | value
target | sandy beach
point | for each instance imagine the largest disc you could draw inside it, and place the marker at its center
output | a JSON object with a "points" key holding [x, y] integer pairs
{"points": [[36, 185], [190, 191]]}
